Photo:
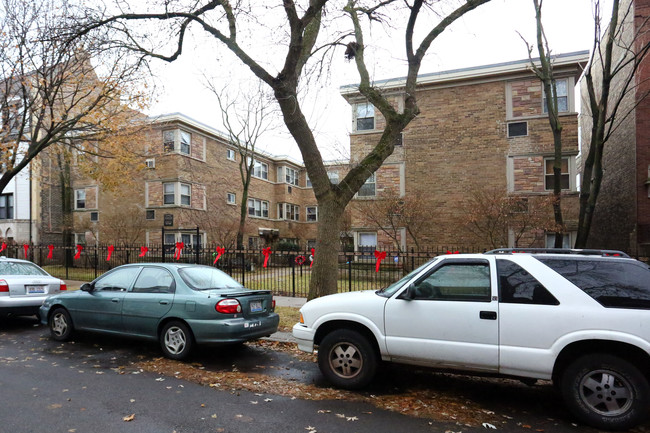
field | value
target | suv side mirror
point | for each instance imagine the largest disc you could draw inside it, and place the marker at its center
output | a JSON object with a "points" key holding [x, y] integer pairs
{"points": [[86, 287]]}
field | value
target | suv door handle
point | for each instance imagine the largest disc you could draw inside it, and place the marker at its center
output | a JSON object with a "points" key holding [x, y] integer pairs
{"points": [[163, 302], [116, 300], [488, 315]]}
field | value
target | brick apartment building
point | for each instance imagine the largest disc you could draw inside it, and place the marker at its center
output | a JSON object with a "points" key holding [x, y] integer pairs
{"points": [[189, 177], [622, 213], [481, 130]]}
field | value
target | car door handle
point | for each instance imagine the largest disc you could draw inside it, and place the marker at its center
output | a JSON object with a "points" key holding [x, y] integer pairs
{"points": [[488, 315], [116, 300], [162, 302]]}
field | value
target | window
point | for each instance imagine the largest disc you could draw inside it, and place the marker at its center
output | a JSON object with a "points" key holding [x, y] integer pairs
{"points": [[288, 211], [258, 208], [185, 142], [154, 280], [168, 141], [312, 213], [230, 154], [150, 163], [151, 214], [365, 116], [177, 193], [291, 176], [561, 87], [367, 242], [261, 170], [117, 281], [6, 206], [80, 239], [517, 129], [230, 198], [456, 282], [566, 240], [400, 139], [185, 194], [309, 185], [94, 216], [368, 188], [254, 243], [614, 284], [517, 286], [333, 177], [79, 198], [548, 174]]}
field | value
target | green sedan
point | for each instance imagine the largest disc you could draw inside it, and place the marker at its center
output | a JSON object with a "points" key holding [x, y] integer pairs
{"points": [[177, 304]]}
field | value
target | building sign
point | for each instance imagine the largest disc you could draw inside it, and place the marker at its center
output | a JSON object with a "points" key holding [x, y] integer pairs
{"points": [[168, 220]]}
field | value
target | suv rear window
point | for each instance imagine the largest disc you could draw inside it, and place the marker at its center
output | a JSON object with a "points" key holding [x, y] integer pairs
{"points": [[612, 282]]}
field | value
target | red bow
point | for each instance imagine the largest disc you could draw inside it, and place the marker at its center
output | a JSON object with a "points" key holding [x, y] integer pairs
{"points": [[455, 252], [51, 248], [179, 248], [313, 254], [267, 252], [220, 251], [380, 256], [79, 248], [143, 251], [26, 248], [3, 247], [111, 248]]}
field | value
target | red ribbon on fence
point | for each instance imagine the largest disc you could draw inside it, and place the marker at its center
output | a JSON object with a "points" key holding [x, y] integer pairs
{"points": [[51, 248], [380, 256], [111, 248], [79, 248], [3, 247], [455, 252], [220, 251], [311, 258], [179, 249], [143, 251], [267, 252], [26, 248]]}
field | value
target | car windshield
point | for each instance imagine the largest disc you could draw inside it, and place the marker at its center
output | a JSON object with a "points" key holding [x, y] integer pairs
{"points": [[390, 290], [20, 268], [205, 277]]}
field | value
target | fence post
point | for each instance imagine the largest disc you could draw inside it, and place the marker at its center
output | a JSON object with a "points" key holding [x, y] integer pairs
{"points": [[197, 246], [163, 244], [349, 272], [96, 261], [293, 277]]}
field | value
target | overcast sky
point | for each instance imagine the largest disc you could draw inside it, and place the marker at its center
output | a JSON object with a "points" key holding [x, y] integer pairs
{"points": [[486, 35]]}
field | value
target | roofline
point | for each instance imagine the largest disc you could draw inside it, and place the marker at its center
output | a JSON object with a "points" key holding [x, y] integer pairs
{"points": [[474, 72]]}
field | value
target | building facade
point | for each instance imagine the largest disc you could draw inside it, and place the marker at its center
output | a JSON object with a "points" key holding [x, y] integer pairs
{"points": [[482, 139]]}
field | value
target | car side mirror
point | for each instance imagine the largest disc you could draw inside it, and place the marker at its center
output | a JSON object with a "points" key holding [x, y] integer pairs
{"points": [[86, 287]]}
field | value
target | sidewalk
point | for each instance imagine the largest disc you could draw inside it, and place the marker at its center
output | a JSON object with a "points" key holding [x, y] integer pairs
{"points": [[280, 301]]}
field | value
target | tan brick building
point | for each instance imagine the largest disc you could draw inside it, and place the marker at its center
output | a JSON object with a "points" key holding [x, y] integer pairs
{"points": [[480, 131]]}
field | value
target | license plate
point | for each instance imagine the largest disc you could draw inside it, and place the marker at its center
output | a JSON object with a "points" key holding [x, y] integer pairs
{"points": [[256, 306], [35, 289], [254, 324]]}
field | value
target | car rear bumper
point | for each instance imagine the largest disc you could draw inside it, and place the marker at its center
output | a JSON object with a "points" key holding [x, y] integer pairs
{"points": [[233, 330], [304, 337], [21, 306]]}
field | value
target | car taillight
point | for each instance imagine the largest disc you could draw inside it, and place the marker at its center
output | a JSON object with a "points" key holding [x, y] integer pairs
{"points": [[4, 287], [62, 286], [228, 306], [273, 304]]}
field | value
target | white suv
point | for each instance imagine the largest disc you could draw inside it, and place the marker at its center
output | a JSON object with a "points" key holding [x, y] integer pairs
{"points": [[577, 317]]}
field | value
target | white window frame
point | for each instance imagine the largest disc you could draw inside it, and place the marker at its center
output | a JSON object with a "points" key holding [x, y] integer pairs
{"points": [[183, 144], [77, 198], [311, 213], [568, 240], [570, 173], [291, 176], [333, 176], [80, 239], [230, 155], [167, 141], [178, 193], [173, 141], [363, 111], [564, 96], [288, 212], [260, 208], [188, 194], [260, 169], [231, 198], [372, 180]]}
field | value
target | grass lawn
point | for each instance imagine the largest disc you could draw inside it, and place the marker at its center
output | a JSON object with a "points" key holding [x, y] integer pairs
{"points": [[289, 316]]}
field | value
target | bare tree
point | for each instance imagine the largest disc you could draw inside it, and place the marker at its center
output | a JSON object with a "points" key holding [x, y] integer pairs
{"points": [[50, 92], [610, 80], [246, 117], [303, 22]]}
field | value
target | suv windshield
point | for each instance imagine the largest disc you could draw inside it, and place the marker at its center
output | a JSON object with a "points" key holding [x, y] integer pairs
{"points": [[205, 277], [390, 290], [20, 268]]}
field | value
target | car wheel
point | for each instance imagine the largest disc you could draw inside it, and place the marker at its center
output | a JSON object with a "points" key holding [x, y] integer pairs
{"points": [[60, 325], [176, 340], [347, 359], [605, 391]]}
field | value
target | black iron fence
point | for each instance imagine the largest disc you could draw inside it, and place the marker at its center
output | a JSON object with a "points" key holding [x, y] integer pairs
{"points": [[287, 273]]}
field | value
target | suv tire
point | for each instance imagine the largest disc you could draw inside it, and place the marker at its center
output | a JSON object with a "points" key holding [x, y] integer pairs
{"points": [[605, 391], [347, 359]]}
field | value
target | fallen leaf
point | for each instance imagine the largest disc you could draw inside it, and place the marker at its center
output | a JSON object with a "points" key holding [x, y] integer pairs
{"points": [[488, 425], [129, 418]]}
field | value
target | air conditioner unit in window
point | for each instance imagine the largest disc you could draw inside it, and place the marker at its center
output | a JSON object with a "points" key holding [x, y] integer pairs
{"points": [[150, 163]]}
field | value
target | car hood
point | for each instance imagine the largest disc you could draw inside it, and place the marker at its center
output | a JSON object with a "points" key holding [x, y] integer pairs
{"points": [[365, 303]]}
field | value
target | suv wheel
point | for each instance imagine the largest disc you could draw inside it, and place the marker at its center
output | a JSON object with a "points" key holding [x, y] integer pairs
{"points": [[347, 359], [605, 391]]}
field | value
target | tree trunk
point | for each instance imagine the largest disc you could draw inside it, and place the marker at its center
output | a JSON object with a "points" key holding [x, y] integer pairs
{"points": [[325, 270]]}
